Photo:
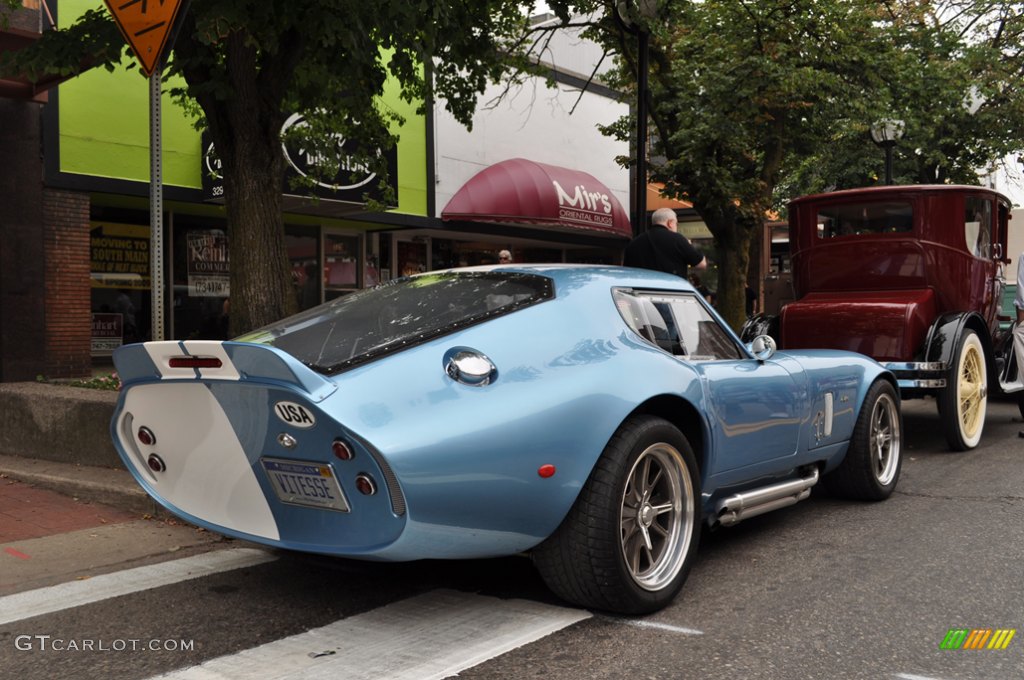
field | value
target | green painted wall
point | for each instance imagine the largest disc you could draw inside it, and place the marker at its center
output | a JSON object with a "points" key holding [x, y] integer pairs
{"points": [[104, 129]]}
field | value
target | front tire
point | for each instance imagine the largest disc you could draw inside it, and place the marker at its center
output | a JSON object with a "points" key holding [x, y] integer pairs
{"points": [[872, 464], [629, 541], [964, 400]]}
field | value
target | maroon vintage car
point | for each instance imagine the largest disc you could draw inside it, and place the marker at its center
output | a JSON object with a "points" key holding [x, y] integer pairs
{"points": [[913, 277]]}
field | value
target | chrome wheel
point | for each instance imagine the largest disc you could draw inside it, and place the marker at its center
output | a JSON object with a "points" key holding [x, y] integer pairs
{"points": [[657, 520], [629, 540], [884, 439], [871, 467]]}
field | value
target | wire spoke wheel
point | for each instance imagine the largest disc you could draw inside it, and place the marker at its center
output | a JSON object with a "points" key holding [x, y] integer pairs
{"points": [[964, 401], [970, 391]]}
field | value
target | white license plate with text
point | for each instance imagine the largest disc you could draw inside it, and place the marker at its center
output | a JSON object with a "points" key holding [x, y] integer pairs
{"points": [[305, 483]]}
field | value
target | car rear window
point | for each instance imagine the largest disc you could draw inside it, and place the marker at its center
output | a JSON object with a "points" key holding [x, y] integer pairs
{"points": [[370, 323], [854, 219]]}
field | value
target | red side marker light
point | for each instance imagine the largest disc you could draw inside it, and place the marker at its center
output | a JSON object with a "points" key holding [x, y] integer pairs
{"points": [[546, 471], [194, 362]]}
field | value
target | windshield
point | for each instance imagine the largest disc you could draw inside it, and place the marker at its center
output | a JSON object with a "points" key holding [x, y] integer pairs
{"points": [[377, 321]]}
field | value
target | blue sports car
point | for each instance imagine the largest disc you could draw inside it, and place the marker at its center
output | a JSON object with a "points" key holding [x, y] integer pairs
{"points": [[596, 417]]}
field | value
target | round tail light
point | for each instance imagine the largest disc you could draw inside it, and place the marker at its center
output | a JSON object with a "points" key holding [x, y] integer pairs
{"points": [[155, 463], [342, 451], [146, 436], [365, 485]]}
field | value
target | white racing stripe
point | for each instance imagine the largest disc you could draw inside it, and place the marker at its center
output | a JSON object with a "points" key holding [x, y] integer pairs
{"points": [[434, 635], [77, 593]]}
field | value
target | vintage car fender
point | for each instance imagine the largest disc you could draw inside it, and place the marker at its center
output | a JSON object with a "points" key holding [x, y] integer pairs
{"points": [[945, 333]]}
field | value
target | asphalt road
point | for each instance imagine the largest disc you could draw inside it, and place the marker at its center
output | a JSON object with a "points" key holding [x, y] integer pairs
{"points": [[823, 589]]}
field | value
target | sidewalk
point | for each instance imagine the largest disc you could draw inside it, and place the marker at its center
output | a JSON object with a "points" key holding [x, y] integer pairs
{"points": [[109, 486], [54, 529], [28, 512]]}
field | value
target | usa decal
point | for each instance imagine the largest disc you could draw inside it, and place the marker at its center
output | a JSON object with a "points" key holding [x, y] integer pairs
{"points": [[294, 414]]}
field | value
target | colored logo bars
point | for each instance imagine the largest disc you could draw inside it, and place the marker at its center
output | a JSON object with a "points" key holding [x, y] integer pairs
{"points": [[978, 638]]}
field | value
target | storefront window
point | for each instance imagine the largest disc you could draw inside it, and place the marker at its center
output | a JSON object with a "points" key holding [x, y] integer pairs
{"points": [[201, 283], [341, 264], [120, 283], [412, 256], [447, 254], [302, 244]]}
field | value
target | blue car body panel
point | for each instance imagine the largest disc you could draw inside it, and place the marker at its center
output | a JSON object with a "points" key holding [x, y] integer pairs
{"points": [[456, 466]]}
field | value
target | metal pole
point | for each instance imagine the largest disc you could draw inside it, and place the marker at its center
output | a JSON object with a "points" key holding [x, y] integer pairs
{"points": [[156, 208], [640, 219], [888, 163]]}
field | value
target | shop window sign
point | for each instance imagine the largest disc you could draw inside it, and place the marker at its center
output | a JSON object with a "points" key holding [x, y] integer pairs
{"points": [[352, 182], [107, 332], [207, 263], [119, 255]]}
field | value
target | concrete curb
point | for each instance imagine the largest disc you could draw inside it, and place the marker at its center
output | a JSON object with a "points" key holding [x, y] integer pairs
{"points": [[56, 422], [110, 486]]}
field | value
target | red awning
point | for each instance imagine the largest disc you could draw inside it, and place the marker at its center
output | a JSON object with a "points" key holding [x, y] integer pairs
{"points": [[519, 191]]}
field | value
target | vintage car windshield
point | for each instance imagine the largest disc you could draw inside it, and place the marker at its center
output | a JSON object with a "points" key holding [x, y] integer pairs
{"points": [[853, 219], [377, 321], [677, 323]]}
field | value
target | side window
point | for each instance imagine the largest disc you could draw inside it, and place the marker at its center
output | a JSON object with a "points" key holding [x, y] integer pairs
{"points": [[978, 226], [678, 324]]}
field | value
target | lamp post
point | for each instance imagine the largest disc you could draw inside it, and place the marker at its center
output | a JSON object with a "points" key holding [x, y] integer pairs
{"points": [[885, 133], [646, 9]]}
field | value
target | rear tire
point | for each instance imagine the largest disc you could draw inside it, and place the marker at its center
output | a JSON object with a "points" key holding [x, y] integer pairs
{"points": [[629, 541], [872, 464], [964, 400]]}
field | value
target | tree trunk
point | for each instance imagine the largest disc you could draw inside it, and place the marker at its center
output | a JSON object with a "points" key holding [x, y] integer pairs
{"points": [[733, 239], [261, 285], [245, 127]]}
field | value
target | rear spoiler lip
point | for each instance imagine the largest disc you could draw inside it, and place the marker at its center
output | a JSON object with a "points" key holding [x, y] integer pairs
{"points": [[240, 361]]}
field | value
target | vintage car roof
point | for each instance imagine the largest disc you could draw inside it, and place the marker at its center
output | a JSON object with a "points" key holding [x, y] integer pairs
{"points": [[898, 189]]}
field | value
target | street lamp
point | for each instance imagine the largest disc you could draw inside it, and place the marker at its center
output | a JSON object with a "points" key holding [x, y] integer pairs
{"points": [[885, 133], [647, 10]]}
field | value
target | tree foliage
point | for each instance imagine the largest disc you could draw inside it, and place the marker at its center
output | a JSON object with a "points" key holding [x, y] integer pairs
{"points": [[250, 64], [753, 102], [738, 90], [953, 72]]}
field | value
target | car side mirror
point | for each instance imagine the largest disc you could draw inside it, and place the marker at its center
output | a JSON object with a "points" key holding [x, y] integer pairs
{"points": [[763, 347]]}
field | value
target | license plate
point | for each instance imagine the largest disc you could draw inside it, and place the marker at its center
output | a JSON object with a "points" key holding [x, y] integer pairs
{"points": [[303, 483]]}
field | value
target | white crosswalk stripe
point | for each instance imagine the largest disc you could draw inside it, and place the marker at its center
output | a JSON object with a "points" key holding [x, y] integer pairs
{"points": [[76, 593], [434, 635]]}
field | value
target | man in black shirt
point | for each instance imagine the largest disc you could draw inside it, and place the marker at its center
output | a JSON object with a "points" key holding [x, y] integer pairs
{"points": [[662, 248]]}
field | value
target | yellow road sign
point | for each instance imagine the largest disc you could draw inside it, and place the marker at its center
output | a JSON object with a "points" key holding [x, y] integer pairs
{"points": [[146, 25]]}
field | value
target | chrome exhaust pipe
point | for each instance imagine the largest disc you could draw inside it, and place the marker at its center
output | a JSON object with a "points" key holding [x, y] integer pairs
{"points": [[740, 506]]}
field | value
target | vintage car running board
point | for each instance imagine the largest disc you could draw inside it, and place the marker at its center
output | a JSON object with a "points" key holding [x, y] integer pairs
{"points": [[740, 506], [919, 374]]}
